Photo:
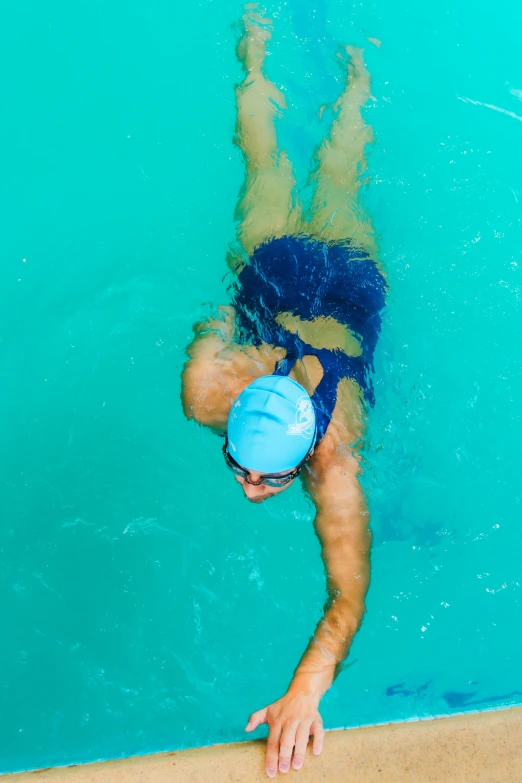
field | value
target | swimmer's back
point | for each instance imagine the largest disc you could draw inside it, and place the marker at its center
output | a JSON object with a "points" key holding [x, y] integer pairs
{"points": [[293, 284]]}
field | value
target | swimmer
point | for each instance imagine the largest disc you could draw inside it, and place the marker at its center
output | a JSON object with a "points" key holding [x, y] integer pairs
{"points": [[284, 371]]}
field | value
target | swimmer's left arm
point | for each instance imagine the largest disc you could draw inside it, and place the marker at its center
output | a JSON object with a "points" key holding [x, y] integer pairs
{"points": [[342, 526]]}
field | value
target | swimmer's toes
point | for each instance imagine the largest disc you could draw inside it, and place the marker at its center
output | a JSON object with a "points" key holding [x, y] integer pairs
{"points": [[256, 15], [254, 24], [352, 59], [253, 32]]}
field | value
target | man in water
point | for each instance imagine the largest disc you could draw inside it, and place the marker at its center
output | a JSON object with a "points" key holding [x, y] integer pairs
{"points": [[284, 373]]}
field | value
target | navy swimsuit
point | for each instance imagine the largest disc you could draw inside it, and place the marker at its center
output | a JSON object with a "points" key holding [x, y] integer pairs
{"points": [[310, 278]]}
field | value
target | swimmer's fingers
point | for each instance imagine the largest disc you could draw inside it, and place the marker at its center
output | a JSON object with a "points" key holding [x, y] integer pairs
{"points": [[287, 745], [272, 749], [257, 719], [318, 732], [291, 720], [301, 741]]}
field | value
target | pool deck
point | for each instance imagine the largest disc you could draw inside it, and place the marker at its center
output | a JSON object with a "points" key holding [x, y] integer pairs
{"points": [[484, 746]]}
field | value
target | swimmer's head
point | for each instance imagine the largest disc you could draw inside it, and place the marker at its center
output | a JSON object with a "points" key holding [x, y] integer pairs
{"points": [[271, 430]]}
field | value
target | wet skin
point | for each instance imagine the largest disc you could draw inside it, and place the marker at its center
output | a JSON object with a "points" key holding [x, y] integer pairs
{"points": [[258, 494], [218, 369]]}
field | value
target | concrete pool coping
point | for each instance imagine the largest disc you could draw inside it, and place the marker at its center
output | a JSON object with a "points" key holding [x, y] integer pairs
{"points": [[483, 746]]}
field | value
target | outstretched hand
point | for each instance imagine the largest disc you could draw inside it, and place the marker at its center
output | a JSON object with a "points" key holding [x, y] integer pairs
{"points": [[291, 721]]}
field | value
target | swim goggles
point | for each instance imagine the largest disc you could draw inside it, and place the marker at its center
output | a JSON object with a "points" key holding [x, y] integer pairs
{"points": [[269, 479]]}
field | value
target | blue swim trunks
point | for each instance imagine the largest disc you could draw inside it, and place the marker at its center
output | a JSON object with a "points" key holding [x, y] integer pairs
{"points": [[310, 278]]}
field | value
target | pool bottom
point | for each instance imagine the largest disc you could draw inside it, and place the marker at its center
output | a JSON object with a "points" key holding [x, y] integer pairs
{"points": [[482, 746]]}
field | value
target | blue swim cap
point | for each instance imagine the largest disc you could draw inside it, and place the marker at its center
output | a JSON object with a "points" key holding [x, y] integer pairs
{"points": [[271, 425]]}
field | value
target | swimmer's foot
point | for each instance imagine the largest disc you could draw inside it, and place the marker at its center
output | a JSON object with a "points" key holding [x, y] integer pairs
{"points": [[256, 30], [357, 75]]}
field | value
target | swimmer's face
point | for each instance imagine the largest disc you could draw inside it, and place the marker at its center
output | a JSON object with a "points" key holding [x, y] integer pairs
{"points": [[262, 492]]}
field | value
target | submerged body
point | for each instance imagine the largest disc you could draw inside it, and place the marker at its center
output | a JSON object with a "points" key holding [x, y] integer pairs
{"points": [[291, 288], [306, 304]]}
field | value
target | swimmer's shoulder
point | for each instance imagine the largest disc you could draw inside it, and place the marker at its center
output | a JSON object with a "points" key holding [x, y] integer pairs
{"points": [[341, 444], [218, 369]]}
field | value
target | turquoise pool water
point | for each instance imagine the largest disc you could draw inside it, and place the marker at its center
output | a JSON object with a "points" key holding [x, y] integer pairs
{"points": [[146, 606]]}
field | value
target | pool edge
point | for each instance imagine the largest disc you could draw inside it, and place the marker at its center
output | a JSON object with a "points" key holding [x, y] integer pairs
{"points": [[481, 746]]}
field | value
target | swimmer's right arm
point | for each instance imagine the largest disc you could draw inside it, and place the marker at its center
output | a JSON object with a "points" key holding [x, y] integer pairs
{"points": [[218, 368], [222, 324], [202, 395]]}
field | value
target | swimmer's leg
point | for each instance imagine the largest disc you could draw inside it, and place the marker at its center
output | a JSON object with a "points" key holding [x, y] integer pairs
{"points": [[335, 212], [266, 206]]}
